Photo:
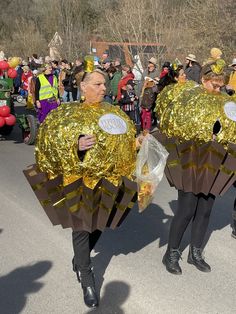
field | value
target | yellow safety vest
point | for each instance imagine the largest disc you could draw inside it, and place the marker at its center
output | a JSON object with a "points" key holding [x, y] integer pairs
{"points": [[46, 90]]}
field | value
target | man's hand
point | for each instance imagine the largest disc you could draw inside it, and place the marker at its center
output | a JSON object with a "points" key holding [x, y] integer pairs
{"points": [[86, 142]]}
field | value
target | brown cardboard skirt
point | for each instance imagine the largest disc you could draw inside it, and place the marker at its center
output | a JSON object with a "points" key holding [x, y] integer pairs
{"points": [[78, 207], [206, 168]]}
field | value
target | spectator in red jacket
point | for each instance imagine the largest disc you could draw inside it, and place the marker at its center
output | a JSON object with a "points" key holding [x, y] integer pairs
{"points": [[126, 76]]}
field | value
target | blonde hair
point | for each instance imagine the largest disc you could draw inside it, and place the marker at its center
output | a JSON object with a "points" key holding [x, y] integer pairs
{"points": [[87, 75]]}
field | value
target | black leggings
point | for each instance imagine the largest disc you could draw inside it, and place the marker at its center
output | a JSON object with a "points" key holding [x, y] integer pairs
{"points": [[191, 207], [83, 243]]}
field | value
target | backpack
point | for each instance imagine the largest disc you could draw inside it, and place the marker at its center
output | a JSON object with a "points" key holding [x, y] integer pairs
{"points": [[149, 98]]}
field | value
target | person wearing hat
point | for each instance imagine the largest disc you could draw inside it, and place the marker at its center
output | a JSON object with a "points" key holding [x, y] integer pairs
{"points": [[104, 56], [150, 78], [151, 71], [232, 78], [192, 69], [215, 63]]}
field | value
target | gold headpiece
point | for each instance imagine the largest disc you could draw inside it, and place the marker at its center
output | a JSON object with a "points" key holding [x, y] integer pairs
{"points": [[89, 64]]}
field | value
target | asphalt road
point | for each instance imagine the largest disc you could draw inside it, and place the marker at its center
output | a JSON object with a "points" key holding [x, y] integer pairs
{"points": [[35, 264]]}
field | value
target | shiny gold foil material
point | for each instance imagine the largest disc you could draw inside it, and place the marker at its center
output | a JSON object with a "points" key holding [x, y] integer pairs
{"points": [[189, 112], [89, 64], [112, 157]]}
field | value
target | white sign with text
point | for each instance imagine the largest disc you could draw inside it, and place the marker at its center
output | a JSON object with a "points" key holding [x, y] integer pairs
{"points": [[112, 124]]}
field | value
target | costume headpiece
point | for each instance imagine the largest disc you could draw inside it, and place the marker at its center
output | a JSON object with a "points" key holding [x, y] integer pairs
{"points": [[216, 53], [89, 64]]}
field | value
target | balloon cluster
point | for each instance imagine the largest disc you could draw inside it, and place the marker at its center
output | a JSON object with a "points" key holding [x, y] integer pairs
{"points": [[9, 66], [6, 117]]}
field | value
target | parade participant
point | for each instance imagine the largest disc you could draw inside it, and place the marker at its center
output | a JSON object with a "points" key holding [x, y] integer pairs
{"points": [[194, 121], [215, 63], [46, 92], [87, 140]]}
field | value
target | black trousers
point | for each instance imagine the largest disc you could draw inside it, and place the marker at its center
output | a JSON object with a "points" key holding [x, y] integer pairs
{"points": [[83, 243], [191, 207]]}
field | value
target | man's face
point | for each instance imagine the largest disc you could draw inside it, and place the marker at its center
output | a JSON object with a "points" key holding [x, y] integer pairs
{"points": [[151, 67], [94, 89]]}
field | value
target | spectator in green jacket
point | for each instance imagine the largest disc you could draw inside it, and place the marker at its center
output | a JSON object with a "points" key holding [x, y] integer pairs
{"points": [[114, 78]]}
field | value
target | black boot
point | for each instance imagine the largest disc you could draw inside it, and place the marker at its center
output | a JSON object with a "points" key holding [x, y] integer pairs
{"points": [[90, 296], [195, 258], [89, 292], [171, 261]]}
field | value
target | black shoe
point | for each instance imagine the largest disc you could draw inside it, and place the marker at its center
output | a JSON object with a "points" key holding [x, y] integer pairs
{"points": [[171, 261], [195, 258], [233, 234], [90, 297]]}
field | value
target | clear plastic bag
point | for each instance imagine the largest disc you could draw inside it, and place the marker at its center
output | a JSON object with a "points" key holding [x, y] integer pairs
{"points": [[151, 162]]}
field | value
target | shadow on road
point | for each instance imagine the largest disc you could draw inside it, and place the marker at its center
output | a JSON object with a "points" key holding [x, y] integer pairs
{"points": [[138, 231], [15, 286], [115, 294]]}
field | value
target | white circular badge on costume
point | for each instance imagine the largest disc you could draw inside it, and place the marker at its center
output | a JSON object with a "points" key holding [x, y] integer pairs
{"points": [[112, 124], [230, 110]]}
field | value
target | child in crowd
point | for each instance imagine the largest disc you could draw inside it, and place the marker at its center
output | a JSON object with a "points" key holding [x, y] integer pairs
{"points": [[128, 98]]}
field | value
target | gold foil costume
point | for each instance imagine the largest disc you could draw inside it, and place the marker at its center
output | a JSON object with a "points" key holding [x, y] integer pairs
{"points": [[112, 157], [189, 112], [197, 163]]}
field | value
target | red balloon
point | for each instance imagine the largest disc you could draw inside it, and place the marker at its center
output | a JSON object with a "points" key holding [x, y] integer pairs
{"points": [[2, 121], [12, 73], [10, 120], [4, 111], [4, 65]]}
